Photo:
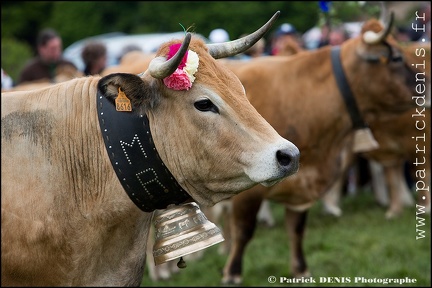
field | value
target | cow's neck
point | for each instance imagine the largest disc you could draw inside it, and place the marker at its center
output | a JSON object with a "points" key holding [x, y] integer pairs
{"points": [[345, 90], [325, 114], [140, 170]]}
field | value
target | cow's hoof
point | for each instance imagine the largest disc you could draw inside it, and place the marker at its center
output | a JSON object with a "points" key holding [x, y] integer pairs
{"points": [[305, 274], [231, 280], [392, 214], [333, 210]]}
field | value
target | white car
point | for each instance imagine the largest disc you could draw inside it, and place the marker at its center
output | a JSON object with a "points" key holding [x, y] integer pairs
{"points": [[117, 43]]}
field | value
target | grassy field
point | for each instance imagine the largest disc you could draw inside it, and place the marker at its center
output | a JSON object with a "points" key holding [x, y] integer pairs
{"points": [[361, 243]]}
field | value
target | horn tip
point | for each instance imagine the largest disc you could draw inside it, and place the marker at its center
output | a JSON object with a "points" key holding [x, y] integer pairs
{"points": [[187, 38]]}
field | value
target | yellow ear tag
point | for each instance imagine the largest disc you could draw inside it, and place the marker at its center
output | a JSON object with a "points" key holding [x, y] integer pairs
{"points": [[122, 102], [383, 59]]}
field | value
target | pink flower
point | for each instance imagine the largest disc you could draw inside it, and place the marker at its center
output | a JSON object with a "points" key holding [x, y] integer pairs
{"points": [[179, 80], [173, 50], [183, 77]]}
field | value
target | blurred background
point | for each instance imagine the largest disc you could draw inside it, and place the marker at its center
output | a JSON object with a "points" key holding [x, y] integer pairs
{"points": [[22, 20]]}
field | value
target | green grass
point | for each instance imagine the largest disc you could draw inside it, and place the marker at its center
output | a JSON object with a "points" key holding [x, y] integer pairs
{"points": [[361, 243]]}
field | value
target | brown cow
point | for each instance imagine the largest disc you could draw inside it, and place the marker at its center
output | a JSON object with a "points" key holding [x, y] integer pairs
{"points": [[304, 86], [400, 139], [78, 191]]}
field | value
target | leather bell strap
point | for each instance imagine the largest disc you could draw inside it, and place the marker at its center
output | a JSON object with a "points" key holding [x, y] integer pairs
{"points": [[140, 170]]}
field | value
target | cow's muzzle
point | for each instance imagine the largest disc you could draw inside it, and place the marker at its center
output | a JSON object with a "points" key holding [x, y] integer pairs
{"points": [[288, 160]]}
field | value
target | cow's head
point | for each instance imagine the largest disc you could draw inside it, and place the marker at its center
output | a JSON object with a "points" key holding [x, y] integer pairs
{"points": [[209, 136], [383, 78]]}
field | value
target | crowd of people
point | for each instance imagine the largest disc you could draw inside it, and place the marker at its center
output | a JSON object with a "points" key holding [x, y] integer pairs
{"points": [[285, 40], [49, 65]]}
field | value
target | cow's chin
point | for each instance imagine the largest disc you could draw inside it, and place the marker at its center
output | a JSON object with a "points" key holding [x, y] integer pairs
{"points": [[213, 199], [270, 183]]}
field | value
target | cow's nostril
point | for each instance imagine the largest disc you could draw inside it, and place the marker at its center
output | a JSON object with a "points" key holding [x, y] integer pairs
{"points": [[288, 159], [284, 157]]}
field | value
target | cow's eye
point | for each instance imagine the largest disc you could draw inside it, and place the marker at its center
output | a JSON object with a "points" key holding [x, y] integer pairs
{"points": [[206, 105]]}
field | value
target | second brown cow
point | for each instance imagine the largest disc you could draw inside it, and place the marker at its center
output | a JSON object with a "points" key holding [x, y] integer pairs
{"points": [[299, 97]]}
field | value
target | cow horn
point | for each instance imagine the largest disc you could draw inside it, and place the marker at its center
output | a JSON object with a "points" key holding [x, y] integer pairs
{"points": [[231, 48], [371, 37], [160, 68]]}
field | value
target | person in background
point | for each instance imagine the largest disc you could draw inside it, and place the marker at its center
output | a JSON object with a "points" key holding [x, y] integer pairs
{"points": [[94, 56], [6, 81], [129, 48], [335, 36], [49, 58], [286, 41], [257, 50], [219, 35]]}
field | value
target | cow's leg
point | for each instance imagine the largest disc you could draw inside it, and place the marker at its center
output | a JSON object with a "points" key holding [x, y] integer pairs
{"points": [[161, 271], [243, 221], [331, 198], [405, 191], [265, 214], [396, 181], [296, 225], [379, 185], [220, 215], [225, 246]]}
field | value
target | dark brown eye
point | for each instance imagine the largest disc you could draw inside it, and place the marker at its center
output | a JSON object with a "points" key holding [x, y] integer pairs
{"points": [[206, 105]]}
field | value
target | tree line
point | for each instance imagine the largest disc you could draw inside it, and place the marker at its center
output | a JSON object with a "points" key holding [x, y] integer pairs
{"points": [[22, 20]]}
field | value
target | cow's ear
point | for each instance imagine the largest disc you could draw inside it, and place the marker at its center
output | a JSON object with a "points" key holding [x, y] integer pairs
{"points": [[133, 87]]}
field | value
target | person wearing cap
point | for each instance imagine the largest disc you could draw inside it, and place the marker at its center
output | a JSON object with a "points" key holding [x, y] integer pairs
{"points": [[219, 35], [285, 41]]}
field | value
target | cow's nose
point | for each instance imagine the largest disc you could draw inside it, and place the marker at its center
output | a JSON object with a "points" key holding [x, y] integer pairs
{"points": [[289, 159]]}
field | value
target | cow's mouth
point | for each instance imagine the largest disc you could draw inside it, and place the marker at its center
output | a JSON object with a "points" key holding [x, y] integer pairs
{"points": [[270, 183]]}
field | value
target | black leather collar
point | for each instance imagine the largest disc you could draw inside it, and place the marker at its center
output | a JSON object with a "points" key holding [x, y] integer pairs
{"points": [[145, 178], [345, 89]]}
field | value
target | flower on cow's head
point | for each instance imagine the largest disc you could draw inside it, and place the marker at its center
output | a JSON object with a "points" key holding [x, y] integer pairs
{"points": [[183, 77]]}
